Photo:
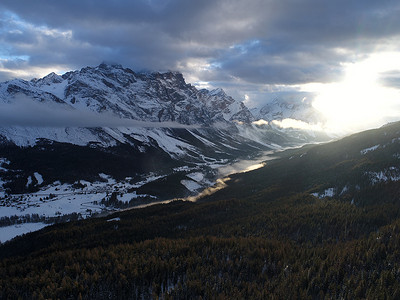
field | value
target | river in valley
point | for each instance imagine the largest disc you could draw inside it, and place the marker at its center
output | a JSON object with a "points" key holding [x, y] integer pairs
{"points": [[240, 166]]}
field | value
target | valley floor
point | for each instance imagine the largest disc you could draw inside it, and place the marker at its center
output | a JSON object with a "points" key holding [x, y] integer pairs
{"points": [[22, 213]]}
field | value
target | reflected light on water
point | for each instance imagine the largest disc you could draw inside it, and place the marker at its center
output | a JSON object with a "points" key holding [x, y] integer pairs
{"points": [[254, 167]]}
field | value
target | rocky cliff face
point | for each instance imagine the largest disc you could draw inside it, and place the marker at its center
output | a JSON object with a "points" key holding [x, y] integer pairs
{"points": [[155, 97]]}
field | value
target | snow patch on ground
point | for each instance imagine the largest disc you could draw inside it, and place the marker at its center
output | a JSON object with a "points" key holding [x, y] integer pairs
{"points": [[109, 179], [183, 168], [344, 190], [56, 89], [388, 174], [191, 185], [203, 140], [330, 192], [29, 181], [197, 176], [365, 151], [62, 199], [128, 197], [39, 178], [9, 232], [229, 147]]}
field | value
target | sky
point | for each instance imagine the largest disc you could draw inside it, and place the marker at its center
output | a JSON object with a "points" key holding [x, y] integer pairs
{"points": [[343, 54]]}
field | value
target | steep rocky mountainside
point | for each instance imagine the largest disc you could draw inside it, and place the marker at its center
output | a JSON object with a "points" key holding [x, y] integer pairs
{"points": [[155, 97], [116, 94]]}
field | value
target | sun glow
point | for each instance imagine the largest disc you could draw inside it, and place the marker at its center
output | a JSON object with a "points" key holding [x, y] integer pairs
{"points": [[360, 101]]}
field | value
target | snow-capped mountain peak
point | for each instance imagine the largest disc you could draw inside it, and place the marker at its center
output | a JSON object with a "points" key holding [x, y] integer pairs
{"points": [[289, 108], [217, 92], [49, 79]]}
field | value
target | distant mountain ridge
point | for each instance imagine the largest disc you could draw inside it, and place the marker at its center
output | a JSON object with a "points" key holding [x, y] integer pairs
{"points": [[288, 108]]}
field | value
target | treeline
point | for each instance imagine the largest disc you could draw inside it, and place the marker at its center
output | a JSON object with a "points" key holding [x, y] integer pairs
{"points": [[211, 267], [112, 200], [69, 163], [36, 218], [301, 247]]}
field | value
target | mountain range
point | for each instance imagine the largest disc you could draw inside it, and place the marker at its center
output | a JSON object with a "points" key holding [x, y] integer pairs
{"points": [[139, 125], [108, 97]]}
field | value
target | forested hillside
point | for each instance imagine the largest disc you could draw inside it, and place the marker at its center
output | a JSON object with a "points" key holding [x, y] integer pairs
{"points": [[319, 222]]}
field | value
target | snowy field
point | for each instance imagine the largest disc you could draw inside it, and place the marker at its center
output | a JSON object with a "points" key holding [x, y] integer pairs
{"points": [[62, 199], [9, 232], [85, 198], [58, 200]]}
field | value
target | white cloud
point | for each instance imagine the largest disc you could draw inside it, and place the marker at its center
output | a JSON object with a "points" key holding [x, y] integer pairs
{"points": [[260, 122], [24, 111], [296, 124]]}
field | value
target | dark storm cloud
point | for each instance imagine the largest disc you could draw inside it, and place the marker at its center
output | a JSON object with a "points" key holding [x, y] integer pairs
{"points": [[260, 62], [257, 41]]}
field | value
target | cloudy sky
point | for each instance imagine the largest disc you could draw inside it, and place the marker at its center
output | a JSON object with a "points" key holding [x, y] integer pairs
{"points": [[344, 54]]}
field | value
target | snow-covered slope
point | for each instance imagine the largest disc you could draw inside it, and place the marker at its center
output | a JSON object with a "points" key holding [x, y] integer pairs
{"points": [[155, 97], [106, 97]]}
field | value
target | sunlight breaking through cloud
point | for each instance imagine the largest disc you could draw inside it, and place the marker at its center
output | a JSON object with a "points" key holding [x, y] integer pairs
{"points": [[359, 101]]}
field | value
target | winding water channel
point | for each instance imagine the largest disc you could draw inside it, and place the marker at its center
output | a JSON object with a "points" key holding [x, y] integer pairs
{"points": [[240, 166]]}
